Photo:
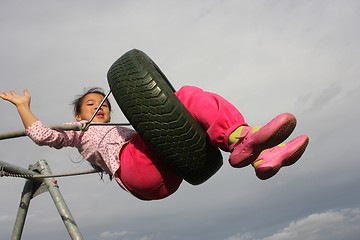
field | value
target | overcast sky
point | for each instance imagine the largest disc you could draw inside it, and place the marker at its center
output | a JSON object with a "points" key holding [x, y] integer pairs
{"points": [[266, 57]]}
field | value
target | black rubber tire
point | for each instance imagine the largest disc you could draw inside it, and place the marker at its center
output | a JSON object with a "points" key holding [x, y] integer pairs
{"points": [[148, 101]]}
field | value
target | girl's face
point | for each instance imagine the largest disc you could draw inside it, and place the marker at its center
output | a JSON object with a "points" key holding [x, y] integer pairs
{"points": [[88, 106]]}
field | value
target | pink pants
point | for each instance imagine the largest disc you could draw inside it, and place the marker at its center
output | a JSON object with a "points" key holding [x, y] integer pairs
{"points": [[148, 178]]}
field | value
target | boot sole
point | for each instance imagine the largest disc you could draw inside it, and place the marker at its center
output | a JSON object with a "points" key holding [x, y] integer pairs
{"points": [[270, 172], [280, 135]]}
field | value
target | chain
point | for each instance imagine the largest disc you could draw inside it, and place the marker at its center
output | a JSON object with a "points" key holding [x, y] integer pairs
{"points": [[3, 173]]}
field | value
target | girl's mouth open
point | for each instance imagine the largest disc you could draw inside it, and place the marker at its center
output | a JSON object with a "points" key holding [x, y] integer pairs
{"points": [[100, 115]]}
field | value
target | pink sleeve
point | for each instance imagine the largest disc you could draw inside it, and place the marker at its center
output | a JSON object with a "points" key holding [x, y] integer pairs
{"points": [[42, 135]]}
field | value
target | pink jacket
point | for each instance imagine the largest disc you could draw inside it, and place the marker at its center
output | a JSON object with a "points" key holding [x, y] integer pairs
{"points": [[100, 145]]}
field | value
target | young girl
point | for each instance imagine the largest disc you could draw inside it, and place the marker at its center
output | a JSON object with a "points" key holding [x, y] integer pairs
{"points": [[121, 152]]}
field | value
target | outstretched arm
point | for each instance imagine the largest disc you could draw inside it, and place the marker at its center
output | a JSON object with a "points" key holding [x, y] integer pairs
{"points": [[35, 129], [22, 104]]}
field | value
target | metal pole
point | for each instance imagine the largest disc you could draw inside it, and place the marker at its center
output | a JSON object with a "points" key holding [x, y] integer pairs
{"points": [[75, 127], [11, 168], [21, 133], [59, 201], [27, 194]]}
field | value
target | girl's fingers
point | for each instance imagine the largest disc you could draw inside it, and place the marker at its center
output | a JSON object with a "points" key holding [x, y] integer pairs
{"points": [[4, 96], [8, 94], [12, 95]]}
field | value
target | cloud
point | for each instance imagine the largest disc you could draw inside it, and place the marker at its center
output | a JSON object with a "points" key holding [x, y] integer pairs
{"points": [[123, 235], [320, 99], [332, 224], [114, 235], [240, 236], [146, 238]]}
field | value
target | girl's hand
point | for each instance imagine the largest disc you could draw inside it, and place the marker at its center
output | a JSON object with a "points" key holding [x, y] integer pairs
{"points": [[22, 104], [16, 99]]}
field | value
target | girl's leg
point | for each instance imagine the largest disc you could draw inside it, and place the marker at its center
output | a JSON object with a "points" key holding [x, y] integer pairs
{"points": [[148, 178], [227, 128], [143, 174], [217, 116]]}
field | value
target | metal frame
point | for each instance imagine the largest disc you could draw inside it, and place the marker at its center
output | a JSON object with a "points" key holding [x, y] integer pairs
{"points": [[34, 187], [41, 179]]}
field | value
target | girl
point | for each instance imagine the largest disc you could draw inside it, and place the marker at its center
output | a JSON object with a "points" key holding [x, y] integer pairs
{"points": [[121, 152]]}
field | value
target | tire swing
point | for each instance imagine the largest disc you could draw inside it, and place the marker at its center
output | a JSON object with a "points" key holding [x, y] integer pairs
{"points": [[147, 100]]}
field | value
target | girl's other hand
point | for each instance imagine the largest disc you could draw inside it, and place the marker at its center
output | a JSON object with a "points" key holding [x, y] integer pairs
{"points": [[22, 104], [16, 99]]}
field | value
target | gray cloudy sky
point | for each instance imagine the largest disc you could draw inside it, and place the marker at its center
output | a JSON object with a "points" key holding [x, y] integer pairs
{"points": [[266, 57]]}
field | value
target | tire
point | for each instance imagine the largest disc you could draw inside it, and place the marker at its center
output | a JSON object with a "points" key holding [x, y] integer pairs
{"points": [[147, 100]]}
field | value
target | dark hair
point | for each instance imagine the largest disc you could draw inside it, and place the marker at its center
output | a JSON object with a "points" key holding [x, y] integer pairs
{"points": [[79, 99]]}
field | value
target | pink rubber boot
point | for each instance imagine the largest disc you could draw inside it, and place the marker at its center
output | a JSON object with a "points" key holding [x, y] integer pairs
{"points": [[271, 160], [251, 143]]}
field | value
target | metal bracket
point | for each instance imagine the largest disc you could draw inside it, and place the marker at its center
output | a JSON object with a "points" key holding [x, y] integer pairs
{"points": [[42, 187]]}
